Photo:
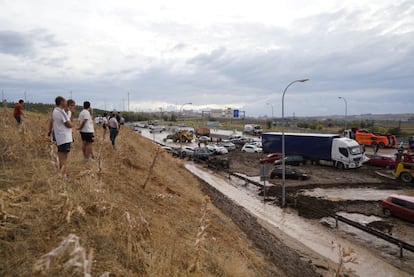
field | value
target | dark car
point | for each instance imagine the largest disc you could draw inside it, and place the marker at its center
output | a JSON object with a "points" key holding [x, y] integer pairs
{"points": [[270, 158], [401, 206], [289, 174], [218, 163], [172, 151], [201, 154], [381, 161], [291, 160]]}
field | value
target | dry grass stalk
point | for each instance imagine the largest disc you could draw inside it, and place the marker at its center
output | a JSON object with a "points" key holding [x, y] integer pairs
{"points": [[53, 156], [157, 151], [77, 261], [201, 235], [4, 216], [346, 256]]}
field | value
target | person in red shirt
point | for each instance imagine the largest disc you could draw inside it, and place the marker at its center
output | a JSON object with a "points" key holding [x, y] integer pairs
{"points": [[18, 112]]}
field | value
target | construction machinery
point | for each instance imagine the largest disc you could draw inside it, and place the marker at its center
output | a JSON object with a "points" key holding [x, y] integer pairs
{"points": [[404, 169], [371, 138], [180, 136]]}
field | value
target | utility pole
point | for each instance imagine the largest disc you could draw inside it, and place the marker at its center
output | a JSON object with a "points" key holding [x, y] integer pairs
{"points": [[128, 101]]}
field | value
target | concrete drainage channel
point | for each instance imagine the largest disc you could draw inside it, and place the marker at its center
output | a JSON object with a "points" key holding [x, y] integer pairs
{"points": [[281, 255]]}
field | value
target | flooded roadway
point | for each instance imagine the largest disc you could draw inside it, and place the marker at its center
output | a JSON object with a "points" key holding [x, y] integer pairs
{"points": [[311, 235], [342, 194]]}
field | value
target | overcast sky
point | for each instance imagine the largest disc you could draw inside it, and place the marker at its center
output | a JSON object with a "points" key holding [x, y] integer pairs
{"points": [[215, 54]]}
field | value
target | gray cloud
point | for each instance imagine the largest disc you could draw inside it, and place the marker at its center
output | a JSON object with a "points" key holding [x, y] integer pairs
{"points": [[361, 54], [15, 43], [26, 44]]}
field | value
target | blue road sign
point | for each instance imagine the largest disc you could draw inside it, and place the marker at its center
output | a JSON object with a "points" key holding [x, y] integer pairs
{"points": [[236, 113]]}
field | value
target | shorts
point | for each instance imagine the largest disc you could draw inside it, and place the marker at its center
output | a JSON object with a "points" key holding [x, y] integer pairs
{"points": [[19, 119], [87, 137], [64, 148]]}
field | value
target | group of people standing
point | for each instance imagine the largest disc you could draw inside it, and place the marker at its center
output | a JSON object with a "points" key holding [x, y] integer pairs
{"points": [[111, 121], [61, 127]]}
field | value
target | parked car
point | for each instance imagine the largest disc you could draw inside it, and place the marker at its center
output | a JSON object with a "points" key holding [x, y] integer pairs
{"points": [[171, 151], [228, 144], [291, 160], [381, 161], [258, 143], [187, 151], [239, 141], [251, 148], [400, 206], [270, 158], [218, 163], [157, 129], [217, 150], [201, 153], [289, 174], [141, 125], [203, 139]]}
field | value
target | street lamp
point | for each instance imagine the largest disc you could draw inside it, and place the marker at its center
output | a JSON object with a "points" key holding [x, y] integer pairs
{"points": [[346, 110], [272, 113], [283, 141], [180, 136], [181, 109]]}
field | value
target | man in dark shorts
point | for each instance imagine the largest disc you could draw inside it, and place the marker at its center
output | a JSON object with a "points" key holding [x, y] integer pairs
{"points": [[18, 112], [87, 130], [62, 129]]}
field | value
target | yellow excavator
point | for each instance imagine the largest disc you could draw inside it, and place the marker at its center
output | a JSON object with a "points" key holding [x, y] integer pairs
{"points": [[180, 136]]}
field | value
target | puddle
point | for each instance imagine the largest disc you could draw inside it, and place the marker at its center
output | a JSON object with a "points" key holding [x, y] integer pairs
{"points": [[367, 194], [310, 233]]}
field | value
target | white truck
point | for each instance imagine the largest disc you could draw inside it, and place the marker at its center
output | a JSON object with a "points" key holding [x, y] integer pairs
{"points": [[253, 129]]}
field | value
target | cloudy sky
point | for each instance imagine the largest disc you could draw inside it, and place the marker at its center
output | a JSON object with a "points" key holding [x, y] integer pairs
{"points": [[214, 54]]}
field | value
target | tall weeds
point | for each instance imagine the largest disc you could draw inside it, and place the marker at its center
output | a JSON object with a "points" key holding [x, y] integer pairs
{"points": [[201, 236]]}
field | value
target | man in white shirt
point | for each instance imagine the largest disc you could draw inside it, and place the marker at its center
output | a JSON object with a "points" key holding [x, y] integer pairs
{"points": [[62, 127], [87, 130]]}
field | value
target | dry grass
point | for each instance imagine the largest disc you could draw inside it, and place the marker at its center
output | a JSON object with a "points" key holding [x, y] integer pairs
{"points": [[103, 206]]}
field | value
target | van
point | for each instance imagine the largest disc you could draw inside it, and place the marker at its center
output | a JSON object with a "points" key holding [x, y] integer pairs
{"points": [[401, 206], [156, 129]]}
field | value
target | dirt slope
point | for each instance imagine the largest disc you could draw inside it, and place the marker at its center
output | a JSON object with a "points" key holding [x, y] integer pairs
{"points": [[167, 229]]}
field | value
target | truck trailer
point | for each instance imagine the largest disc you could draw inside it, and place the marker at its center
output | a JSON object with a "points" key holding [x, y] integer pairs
{"points": [[327, 149]]}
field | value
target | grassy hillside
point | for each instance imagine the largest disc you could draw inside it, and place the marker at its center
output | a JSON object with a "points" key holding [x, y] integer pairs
{"points": [[101, 218]]}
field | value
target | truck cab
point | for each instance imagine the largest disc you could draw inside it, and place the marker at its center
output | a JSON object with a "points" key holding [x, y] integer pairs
{"points": [[253, 129], [346, 153]]}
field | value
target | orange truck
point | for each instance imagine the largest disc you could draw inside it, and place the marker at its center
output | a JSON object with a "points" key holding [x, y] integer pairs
{"points": [[370, 138], [200, 131]]}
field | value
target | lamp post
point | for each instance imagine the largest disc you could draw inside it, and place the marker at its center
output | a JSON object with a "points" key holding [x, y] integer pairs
{"points": [[182, 106], [272, 113], [346, 110], [283, 140], [181, 143]]}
